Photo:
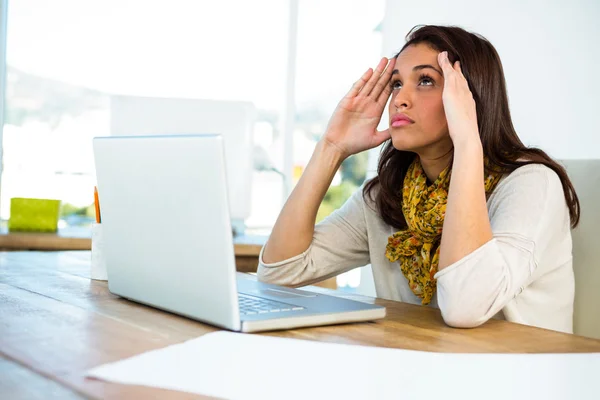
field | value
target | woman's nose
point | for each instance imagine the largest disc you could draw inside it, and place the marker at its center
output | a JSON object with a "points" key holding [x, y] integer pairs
{"points": [[402, 99]]}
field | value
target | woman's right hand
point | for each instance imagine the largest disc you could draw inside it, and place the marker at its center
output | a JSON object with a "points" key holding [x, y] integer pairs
{"points": [[353, 125]]}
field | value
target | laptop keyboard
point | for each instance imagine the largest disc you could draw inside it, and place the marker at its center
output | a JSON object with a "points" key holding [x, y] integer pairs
{"points": [[250, 305]]}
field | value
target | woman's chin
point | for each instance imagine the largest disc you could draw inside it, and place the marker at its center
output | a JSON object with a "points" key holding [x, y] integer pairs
{"points": [[401, 143]]}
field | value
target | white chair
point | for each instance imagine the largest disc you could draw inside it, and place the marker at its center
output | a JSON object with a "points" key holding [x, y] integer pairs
{"points": [[585, 175]]}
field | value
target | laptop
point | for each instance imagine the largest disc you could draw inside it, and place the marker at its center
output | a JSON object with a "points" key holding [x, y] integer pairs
{"points": [[168, 241]]}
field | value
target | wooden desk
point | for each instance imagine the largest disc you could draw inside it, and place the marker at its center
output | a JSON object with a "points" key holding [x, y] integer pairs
{"points": [[55, 323]]}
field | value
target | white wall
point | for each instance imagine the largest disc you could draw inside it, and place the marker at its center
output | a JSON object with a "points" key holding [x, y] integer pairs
{"points": [[550, 54]]}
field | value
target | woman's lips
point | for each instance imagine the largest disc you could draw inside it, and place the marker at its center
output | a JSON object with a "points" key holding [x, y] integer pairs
{"points": [[401, 122], [401, 119]]}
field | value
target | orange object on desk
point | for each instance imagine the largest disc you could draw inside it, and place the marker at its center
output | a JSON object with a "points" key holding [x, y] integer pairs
{"points": [[97, 205]]}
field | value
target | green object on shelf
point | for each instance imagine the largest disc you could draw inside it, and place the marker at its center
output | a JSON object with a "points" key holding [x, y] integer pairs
{"points": [[33, 215]]}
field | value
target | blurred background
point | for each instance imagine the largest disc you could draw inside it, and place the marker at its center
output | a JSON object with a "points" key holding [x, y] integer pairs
{"points": [[66, 58]]}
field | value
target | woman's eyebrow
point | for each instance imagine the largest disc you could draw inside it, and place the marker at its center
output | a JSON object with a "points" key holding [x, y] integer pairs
{"points": [[420, 67]]}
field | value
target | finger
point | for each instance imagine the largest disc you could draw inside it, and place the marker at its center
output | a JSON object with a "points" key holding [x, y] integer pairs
{"points": [[382, 136], [366, 90], [382, 85], [360, 83], [458, 69], [465, 83], [385, 95], [445, 64]]}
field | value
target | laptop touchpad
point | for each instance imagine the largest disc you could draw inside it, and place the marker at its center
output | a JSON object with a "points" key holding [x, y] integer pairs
{"points": [[285, 294]]}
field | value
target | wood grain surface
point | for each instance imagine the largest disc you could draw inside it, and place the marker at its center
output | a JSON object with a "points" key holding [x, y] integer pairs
{"points": [[55, 323]]}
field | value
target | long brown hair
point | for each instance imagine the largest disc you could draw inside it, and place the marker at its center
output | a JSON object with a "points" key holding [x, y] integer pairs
{"points": [[482, 68]]}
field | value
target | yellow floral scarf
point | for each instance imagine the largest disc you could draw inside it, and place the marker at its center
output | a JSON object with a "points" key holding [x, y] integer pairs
{"points": [[424, 208]]}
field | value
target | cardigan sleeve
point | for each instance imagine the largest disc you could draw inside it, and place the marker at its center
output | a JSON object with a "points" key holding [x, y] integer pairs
{"points": [[339, 244], [526, 211]]}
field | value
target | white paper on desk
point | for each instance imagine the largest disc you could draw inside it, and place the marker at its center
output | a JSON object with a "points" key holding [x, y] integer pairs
{"points": [[243, 366]]}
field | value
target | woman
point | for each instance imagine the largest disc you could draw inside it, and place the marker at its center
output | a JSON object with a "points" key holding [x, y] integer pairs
{"points": [[462, 216]]}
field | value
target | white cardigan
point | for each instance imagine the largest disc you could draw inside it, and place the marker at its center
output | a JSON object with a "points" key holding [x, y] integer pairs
{"points": [[524, 274]]}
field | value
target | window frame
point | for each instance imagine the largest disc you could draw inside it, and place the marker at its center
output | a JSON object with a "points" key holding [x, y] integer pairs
{"points": [[3, 40]]}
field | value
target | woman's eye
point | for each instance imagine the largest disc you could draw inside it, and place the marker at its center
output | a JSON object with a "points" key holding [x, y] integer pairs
{"points": [[396, 85]]}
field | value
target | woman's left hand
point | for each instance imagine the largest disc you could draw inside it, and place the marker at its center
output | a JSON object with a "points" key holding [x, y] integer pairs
{"points": [[459, 105]]}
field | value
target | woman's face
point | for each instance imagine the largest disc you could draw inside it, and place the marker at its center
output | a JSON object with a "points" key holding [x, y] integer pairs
{"points": [[417, 84]]}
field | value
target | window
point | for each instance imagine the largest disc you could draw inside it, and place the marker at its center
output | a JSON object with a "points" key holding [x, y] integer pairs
{"points": [[337, 42], [65, 58]]}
